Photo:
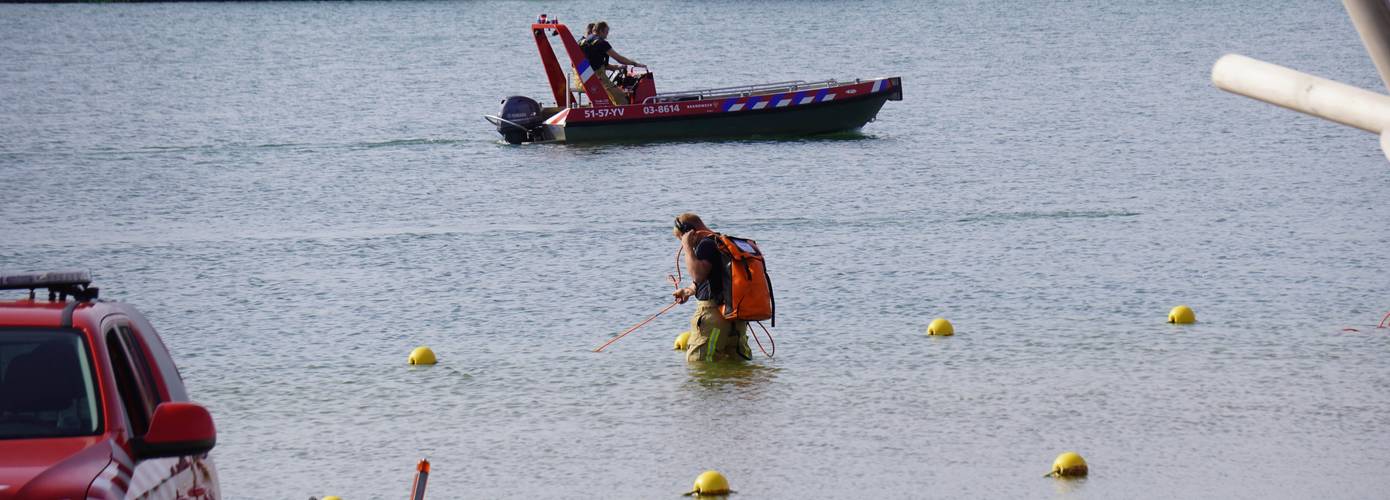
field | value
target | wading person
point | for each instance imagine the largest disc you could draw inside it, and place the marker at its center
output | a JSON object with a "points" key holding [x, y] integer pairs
{"points": [[597, 50], [712, 338]]}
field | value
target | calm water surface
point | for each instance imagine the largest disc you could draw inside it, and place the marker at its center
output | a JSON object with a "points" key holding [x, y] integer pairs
{"points": [[298, 194]]}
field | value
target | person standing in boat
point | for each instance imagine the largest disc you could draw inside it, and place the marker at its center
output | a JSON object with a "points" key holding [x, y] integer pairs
{"points": [[712, 338], [598, 51]]}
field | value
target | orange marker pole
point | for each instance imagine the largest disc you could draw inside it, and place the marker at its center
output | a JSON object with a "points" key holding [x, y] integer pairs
{"points": [[417, 491]]}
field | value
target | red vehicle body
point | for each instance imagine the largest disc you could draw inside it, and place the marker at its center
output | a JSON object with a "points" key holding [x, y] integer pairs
{"points": [[91, 403]]}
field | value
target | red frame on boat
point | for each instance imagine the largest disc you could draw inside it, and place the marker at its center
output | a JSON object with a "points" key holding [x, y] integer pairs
{"points": [[578, 62]]}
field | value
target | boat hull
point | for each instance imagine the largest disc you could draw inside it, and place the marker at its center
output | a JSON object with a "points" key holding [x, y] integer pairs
{"points": [[834, 116], [838, 108]]}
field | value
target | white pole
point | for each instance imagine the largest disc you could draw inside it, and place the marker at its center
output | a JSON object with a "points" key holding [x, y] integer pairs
{"points": [[1302, 92]]}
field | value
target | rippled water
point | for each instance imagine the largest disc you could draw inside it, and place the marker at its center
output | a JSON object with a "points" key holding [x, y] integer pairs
{"points": [[298, 194]]}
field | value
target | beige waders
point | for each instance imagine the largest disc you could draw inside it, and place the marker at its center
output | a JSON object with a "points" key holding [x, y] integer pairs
{"points": [[713, 338], [615, 93]]}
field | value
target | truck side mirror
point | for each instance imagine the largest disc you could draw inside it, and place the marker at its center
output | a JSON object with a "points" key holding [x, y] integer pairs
{"points": [[176, 429]]}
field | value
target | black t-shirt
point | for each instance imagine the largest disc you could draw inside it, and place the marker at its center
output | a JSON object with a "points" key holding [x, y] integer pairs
{"points": [[596, 51], [713, 287]]}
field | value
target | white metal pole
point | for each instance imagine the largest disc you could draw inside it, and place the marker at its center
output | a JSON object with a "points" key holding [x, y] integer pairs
{"points": [[1303, 92]]}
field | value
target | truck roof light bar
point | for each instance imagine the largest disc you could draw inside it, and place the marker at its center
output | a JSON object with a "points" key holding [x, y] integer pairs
{"points": [[60, 284]]}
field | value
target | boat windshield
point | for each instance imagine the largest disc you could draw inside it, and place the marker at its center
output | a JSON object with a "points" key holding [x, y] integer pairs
{"points": [[46, 385]]}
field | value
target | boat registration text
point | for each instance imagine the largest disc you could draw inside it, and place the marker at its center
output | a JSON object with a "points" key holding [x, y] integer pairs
{"points": [[603, 113], [661, 109]]}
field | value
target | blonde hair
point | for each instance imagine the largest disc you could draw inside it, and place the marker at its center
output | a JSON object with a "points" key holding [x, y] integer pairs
{"points": [[691, 221]]}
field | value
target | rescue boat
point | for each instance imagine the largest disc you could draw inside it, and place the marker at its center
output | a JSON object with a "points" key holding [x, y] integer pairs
{"points": [[585, 111]]}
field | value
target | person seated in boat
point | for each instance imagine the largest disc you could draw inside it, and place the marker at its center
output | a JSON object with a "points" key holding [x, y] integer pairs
{"points": [[588, 32], [712, 338], [598, 51], [576, 86]]}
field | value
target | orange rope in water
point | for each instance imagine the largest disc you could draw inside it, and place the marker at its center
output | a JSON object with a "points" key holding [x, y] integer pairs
{"points": [[675, 280], [636, 326]]}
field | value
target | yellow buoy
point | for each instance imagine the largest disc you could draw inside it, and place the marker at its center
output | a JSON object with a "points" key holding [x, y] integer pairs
{"points": [[682, 340], [1068, 464], [1182, 315], [422, 356], [940, 327], [331, 497], [710, 483]]}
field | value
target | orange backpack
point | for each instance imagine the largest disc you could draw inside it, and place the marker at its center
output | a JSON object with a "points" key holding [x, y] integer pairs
{"points": [[748, 294]]}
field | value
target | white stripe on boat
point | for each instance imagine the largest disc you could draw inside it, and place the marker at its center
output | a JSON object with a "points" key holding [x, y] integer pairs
{"points": [[559, 118]]}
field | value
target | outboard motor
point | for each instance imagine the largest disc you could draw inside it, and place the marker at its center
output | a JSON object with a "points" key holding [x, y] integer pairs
{"points": [[520, 119]]}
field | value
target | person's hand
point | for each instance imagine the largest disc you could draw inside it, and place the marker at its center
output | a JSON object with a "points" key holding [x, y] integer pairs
{"points": [[682, 295], [640, 65]]}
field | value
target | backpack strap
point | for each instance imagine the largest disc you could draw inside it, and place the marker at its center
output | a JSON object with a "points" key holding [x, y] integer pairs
{"points": [[772, 297]]}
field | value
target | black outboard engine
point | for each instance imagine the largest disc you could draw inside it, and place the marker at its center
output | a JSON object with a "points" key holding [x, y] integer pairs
{"points": [[520, 119]]}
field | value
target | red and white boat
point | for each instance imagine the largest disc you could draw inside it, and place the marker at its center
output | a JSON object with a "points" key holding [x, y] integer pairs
{"points": [[589, 113]]}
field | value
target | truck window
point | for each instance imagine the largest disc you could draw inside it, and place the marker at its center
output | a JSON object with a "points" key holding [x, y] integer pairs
{"points": [[47, 387], [144, 367], [130, 383]]}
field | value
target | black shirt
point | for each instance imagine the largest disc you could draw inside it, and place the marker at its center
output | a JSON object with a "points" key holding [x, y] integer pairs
{"points": [[596, 51], [713, 286]]}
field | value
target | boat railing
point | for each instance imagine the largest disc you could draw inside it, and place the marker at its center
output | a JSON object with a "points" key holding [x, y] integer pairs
{"points": [[739, 91]]}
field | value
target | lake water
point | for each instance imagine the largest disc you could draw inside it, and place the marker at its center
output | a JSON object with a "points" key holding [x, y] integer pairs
{"points": [[299, 194]]}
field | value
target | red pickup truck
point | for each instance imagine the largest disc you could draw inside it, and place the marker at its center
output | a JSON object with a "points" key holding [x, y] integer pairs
{"points": [[91, 404]]}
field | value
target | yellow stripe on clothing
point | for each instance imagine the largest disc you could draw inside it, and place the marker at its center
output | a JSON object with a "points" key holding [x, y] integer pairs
{"points": [[713, 341]]}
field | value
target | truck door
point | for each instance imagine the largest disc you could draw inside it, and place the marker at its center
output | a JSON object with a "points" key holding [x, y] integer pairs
{"points": [[153, 478]]}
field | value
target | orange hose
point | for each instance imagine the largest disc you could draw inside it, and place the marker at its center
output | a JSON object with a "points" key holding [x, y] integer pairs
{"points": [[754, 334], [636, 326], [675, 279]]}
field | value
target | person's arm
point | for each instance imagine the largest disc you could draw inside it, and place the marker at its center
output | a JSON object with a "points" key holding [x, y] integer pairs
{"points": [[699, 268], [615, 55]]}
